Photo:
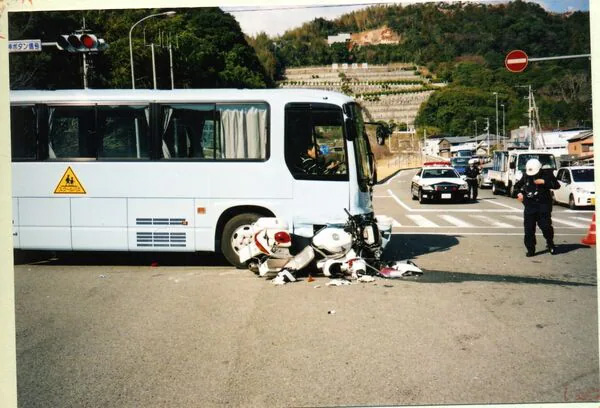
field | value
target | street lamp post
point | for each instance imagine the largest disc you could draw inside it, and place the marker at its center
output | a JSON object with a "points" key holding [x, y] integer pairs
{"points": [[475, 121], [496, 94], [166, 13]]}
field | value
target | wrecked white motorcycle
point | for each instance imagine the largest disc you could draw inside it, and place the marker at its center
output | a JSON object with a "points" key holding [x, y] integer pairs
{"points": [[348, 251]]}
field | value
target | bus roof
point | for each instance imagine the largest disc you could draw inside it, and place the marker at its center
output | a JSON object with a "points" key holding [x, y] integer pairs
{"points": [[179, 95]]}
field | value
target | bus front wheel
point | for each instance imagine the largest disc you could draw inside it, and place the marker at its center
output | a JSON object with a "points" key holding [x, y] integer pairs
{"points": [[237, 233]]}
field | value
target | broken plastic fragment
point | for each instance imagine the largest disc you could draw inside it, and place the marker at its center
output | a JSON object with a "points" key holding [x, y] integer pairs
{"points": [[366, 279], [400, 269], [331, 312], [338, 282], [310, 279], [283, 277]]}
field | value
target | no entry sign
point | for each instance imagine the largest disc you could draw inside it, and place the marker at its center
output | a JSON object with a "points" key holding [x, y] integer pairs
{"points": [[516, 61]]}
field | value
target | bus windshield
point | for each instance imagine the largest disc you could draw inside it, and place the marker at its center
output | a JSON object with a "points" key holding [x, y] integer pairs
{"points": [[459, 161], [547, 160], [361, 147]]}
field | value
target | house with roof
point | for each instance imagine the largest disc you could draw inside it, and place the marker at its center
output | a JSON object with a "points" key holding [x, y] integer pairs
{"points": [[581, 146]]}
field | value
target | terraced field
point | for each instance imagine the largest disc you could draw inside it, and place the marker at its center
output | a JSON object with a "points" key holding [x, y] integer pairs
{"points": [[392, 92]]}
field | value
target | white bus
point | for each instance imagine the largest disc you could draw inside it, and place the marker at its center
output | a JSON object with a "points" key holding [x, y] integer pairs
{"points": [[180, 170]]}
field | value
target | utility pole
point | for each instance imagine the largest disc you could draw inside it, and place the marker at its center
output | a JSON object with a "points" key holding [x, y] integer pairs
{"points": [[496, 94], [85, 67], [171, 65], [153, 66], [424, 141], [487, 127]]}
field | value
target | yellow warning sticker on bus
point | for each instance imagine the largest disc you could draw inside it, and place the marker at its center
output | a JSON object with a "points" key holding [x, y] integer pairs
{"points": [[69, 184]]}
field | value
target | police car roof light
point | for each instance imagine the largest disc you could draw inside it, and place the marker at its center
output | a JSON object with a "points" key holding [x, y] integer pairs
{"points": [[438, 163]]}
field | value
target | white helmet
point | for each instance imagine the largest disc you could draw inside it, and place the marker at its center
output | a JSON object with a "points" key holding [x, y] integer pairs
{"points": [[533, 167]]}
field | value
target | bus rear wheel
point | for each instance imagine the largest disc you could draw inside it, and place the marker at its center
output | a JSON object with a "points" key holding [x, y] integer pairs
{"points": [[237, 233]]}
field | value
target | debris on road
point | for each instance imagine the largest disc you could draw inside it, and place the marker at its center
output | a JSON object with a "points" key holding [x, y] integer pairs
{"points": [[331, 312], [338, 282], [400, 269], [283, 277], [366, 279]]}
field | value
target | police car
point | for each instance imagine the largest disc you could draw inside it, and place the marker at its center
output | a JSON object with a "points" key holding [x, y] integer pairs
{"points": [[438, 181]]}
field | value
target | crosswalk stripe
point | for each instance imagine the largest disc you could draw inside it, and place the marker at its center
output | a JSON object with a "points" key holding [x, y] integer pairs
{"points": [[492, 221], [422, 221], [569, 223], [395, 223], [581, 219], [514, 217], [456, 221], [554, 220]]}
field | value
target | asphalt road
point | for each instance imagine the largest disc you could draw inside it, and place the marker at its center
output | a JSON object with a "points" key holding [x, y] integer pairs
{"points": [[484, 324]]}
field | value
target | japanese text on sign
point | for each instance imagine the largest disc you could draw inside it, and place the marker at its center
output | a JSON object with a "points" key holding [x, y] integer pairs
{"points": [[24, 46]]}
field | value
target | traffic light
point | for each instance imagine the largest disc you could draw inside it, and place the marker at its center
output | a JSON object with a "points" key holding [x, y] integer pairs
{"points": [[81, 43]]}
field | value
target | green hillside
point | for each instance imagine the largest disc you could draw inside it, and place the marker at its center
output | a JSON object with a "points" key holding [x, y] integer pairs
{"points": [[209, 50], [463, 44]]}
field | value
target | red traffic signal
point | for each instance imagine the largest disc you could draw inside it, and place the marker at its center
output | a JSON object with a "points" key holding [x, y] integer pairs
{"points": [[81, 43], [88, 41]]}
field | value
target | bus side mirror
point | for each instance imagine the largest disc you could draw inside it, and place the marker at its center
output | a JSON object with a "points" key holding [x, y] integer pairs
{"points": [[512, 165], [350, 129]]}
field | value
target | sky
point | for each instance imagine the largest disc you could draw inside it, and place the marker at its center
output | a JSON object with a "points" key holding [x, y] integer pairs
{"points": [[274, 21]]}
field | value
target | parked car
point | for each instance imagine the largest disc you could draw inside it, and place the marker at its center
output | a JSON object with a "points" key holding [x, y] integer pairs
{"points": [[576, 186], [484, 179], [438, 181]]}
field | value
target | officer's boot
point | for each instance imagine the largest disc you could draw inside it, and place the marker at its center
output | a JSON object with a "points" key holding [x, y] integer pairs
{"points": [[530, 252], [551, 248]]}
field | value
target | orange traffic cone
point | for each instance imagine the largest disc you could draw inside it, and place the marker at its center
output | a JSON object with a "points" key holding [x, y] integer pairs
{"points": [[590, 238]]}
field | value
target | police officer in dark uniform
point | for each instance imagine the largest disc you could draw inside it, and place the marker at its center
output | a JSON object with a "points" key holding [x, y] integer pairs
{"points": [[472, 173], [534, 192]]}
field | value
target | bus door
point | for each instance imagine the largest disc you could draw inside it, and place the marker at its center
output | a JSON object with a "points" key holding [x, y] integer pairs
{"points": [[316, 156]]}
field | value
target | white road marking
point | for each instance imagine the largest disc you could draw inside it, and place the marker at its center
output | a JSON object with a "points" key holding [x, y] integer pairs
{"points": [[422, 221], [576, 211], [398, 201], [473, 233], [581, 219], [569, 223], [468, 210], [395, 223], [381, 196], [456, 221], [392, 178], [493, 222], [515, 217], [554, 221], [492, 201]]}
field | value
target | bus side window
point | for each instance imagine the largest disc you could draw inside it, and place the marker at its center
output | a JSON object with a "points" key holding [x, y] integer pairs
{"points": [[242, 131], [323, 128], [187, 131], [71, 132], [123, 132], [23, 132]]}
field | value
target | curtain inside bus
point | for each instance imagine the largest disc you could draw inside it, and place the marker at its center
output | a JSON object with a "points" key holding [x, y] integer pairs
{"points": [[243, 131]]}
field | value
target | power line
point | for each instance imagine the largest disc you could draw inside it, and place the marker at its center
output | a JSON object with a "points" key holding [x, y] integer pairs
{"points": [[299, 7]]}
